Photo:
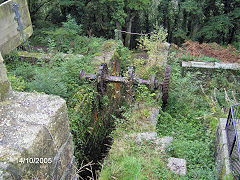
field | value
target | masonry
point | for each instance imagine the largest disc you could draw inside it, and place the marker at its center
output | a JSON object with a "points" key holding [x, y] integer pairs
{"points": [[35, 139]]}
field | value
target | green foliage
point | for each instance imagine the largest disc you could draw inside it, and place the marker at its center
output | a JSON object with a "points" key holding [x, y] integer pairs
{"points": [[26, 71], [131, 168], [48, 82], [126, 57], [143, 94], [218, 24], [12, 60], [67, 41], [198, 155], [203, 58], [209, 21], [154, 45], [72, 27], [63, 39], [151, 44], [17, 83]]}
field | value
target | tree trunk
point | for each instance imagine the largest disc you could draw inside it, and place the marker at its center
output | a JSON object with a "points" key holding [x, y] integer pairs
{"points": [[232, 35], [184, 24], [195, 30], [119, 31], [147, 22], [129, 29]]}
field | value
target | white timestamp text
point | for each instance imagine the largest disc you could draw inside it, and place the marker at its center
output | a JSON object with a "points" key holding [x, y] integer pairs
{"points": [[35, 160]]}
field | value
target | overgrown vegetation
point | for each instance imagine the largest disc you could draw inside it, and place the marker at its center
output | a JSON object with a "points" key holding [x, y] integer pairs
{"points": [[196, 102], [90, 115]]}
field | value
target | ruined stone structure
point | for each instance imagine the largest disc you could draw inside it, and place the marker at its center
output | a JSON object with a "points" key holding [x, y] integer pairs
{"points": [[221, 151], [35, 139]]}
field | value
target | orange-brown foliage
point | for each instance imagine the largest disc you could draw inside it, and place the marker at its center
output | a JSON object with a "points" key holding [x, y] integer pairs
{"points": [[212, 50]]}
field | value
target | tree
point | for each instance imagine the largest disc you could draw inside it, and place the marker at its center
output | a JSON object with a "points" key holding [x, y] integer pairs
{"points": [[201, 20]]}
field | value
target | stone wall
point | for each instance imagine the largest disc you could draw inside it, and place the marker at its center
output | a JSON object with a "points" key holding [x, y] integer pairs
{"points": [[5, 87], [35, 139]]}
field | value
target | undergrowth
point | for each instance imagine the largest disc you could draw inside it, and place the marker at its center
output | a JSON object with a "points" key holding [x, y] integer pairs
{"points": [[90, 115], [195, 105]]}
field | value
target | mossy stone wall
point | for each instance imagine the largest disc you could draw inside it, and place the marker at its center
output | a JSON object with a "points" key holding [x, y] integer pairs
{"points": [[5, 87]]}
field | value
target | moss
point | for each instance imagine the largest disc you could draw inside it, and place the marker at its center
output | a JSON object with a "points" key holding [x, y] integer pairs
{"points": [[32, 55], [109, 45], [4, 89], [223, 176]]}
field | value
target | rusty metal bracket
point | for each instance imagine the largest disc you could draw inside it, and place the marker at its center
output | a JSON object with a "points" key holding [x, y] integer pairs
{"points": [[101, 76], [17, 18]]}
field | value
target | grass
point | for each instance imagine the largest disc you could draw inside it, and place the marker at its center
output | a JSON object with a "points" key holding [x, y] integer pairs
{"points": [[128, 160]]}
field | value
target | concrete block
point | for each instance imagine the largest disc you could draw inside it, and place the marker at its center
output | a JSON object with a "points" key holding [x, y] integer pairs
{"points": [[153, 116]]}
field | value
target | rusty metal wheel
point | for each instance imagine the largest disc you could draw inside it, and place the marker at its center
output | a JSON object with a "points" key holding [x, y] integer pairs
{"points": [[165, 86]]}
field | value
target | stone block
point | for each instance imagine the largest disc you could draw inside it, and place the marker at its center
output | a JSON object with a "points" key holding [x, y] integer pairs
{"points": [[70, 172], [34, 127], [153, 116], [147, 136], [161, 143], [63, 158], [178, 166], [164, 142], [10, 37]]}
